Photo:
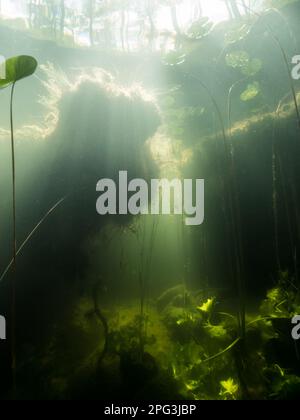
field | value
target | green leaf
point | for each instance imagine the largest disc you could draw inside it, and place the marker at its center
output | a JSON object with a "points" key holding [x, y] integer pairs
{"points": [[253, 67], [174, 58], [200, 28], [216, 331], [207, 306], [229, 388], [238, 33], [237, 59], [18, 68], [251, 92]]}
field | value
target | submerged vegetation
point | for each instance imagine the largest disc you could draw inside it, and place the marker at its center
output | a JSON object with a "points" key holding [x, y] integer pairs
{"points": [[191, 351], [145, 307]]}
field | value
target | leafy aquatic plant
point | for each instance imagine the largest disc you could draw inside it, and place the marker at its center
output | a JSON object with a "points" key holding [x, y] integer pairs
{"points": [[234, 222], [207, 306], [17, 68], [283, 300], [229, 389], [285, 59]]}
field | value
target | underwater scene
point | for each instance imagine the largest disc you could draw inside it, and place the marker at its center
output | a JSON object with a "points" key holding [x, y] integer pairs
{"points": [[150, 200]]}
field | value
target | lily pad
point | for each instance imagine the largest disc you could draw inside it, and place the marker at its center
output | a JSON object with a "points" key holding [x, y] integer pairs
{"points": [[200, 29], [238, 33], [253, 67], [18, 68], [251, 92], [174, 58], [238, 59]]}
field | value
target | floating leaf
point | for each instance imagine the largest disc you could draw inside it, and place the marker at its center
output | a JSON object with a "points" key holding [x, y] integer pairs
{"points": [[253, 67], [18, 68], [251, 92], [200, 29], [237, 59], [174, 58], [237, 34]]}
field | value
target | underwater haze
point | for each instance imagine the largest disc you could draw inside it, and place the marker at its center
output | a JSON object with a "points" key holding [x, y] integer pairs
{"points": [[150, 200]]}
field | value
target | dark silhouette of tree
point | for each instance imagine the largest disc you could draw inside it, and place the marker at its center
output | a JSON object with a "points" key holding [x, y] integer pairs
{"points": [[91, 16], [62, 17], [233, 9]]}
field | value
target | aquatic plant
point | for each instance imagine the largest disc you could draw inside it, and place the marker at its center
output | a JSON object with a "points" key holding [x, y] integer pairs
{"points": [[207, 306], [283, 301], [232, 197], [103, 320], [229, 389], [17, 68], [279, 174], [174, 58], [240, 59], [284, 57], [144, 273], [200, 28], [28, 237]]}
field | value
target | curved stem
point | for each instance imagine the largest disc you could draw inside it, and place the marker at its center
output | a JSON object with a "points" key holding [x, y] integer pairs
{"points": [[14, 250], [27, 239], [229, 103], [221, 353]]}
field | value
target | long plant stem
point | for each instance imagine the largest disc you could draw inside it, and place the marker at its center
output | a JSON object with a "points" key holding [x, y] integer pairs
{"points": [[27, 239], [221, 353], [104, 322], [275, 207], [234, 209], [14, 250]]}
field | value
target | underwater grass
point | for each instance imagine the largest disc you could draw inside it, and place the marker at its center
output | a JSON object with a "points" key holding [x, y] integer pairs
{"points": [[233, 204], [144, 273], [279, 179], [274, 157]]}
